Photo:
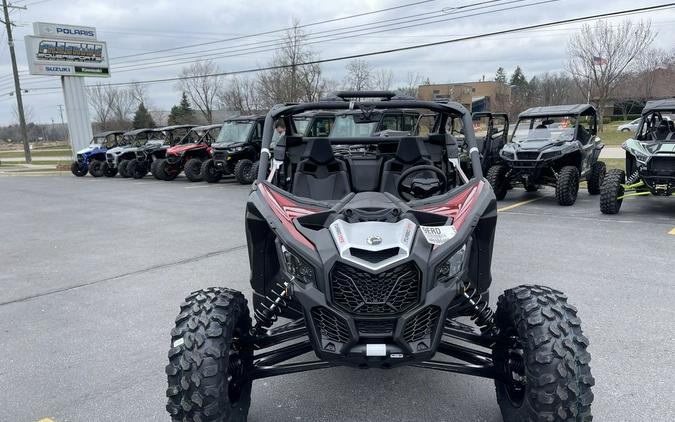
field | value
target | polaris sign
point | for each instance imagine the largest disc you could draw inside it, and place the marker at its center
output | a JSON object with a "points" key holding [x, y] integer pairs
{"points": [[72, 32]]}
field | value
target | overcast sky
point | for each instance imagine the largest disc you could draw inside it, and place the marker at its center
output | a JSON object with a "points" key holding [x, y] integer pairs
{"points": [[134, 26]]}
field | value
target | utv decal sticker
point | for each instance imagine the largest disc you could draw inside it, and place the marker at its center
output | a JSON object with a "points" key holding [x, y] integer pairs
{"points": [[438, 235]]}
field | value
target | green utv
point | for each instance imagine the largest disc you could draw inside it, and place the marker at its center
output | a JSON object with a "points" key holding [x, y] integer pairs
{"points": [[650, 159]]}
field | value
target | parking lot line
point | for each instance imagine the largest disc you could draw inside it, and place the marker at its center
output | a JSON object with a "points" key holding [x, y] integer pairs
{"points": [[672, 231], [46, 420], [197, 187], [518, 204]]}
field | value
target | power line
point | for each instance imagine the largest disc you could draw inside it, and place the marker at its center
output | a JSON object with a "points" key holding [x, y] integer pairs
{"points": [[274, 31], [400, 49]]}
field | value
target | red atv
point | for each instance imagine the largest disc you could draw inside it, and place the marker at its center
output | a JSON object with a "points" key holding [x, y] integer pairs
{"points": [[189, 154]]}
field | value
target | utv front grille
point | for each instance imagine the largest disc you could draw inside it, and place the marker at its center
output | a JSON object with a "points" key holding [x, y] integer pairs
{"points": [[383, 327], [80, 158], [219, 155], [527, 155], [422, 325], [173, 159], [110, 158], [363, 293], [330, 326], [662, 166]]}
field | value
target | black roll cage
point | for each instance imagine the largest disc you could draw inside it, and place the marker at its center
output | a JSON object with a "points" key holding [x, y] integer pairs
{"points": [[388, 100]]}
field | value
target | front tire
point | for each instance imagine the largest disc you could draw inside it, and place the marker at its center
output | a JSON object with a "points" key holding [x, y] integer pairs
{"points": [[567, 186], [207, 361], [79, 170], [594, 182], [611, 190], [497, 177], [109, 171], [541, 353], [156, 170], [96, 168], [210, 172], [193, 170], [242, 171], [137, 169], [122, 168], [168, 171]]}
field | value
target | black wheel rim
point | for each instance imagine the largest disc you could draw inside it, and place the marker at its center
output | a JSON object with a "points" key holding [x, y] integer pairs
{"points": [[511, 362], [236, 373]]}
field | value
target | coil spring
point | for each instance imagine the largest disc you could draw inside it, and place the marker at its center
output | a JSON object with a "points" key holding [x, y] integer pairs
{"points": [[482, 315], [633, 178], [267, 312]]}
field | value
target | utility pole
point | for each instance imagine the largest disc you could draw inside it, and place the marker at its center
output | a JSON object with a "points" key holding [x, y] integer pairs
{"points": [[17, 84], [63, 123]]}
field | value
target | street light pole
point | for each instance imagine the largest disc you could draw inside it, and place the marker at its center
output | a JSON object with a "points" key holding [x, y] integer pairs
{"points": [[17, 83]]}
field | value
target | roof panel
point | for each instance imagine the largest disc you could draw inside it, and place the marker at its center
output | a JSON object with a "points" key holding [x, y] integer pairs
{"points": [[662, 105], [558, 110]]}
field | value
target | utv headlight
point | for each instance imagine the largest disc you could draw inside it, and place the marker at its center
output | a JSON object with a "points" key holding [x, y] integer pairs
{"points": [[641, 157], [551, 154], [451, 266], [297, 267], [508, 155], [237, 149]]}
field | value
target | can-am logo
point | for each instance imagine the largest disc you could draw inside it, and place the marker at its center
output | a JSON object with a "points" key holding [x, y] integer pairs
{"points": [[81, 32]]}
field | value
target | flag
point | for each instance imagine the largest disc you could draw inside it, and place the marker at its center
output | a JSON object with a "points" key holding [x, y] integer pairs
{"points": [[598, 61]]}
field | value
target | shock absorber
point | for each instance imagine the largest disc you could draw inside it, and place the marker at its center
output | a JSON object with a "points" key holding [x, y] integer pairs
{"points": [[267, 312], [633, 178], [482, 315]]}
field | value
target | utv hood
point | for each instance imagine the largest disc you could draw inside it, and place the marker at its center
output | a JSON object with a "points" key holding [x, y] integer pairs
{"points": [[179, 149], [90, 149], [228, 145]]}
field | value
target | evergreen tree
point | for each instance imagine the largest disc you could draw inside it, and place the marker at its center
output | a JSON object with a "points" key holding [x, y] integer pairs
{"points": [[142, 118], [518, 78], [500, 76], [182, 113]]}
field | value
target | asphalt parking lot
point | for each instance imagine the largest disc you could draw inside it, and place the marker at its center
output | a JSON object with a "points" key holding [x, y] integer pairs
{"points": [[93, 270]]}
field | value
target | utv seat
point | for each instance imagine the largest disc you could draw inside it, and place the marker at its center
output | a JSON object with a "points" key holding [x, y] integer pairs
{"points": [[411, 152], [320, 175]]}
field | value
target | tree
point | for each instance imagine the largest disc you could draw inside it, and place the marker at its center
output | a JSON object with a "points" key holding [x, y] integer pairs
{"points": [[520, 91], [412, 85], [202, 84], [290, 80], [383, 79], [518, 78], [241, 95], [142, 118], [182, 113], [500, 76], [599, 55], [122, 104], [101, 99], [359, 75]]}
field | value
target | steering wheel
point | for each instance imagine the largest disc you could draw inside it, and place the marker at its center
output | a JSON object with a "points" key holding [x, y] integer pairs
{"points": [[421, 188]]}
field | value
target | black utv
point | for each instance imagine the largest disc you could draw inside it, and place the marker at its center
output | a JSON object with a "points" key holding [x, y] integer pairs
{"points": [[118, 158], [148, 156], [236, 150], [492, 131], [375, 275], [555, 146]]}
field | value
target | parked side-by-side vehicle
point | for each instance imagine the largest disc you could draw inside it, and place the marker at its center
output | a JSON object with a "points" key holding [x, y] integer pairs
{"points": [[92, 158], [650, 159], [147, 156], [555, 146], [118, 158], [189, 154]]}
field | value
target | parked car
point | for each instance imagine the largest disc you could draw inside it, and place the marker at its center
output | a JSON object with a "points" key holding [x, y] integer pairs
{"points": [[92, 158], [630, 126]]}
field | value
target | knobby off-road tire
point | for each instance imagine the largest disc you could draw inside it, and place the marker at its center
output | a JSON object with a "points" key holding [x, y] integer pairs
{"points": [[594, 181], [96, 168], [168, 171], [611, 190], [254, 171], [193, 170], [567, 186], [109, 171], [210, 173], [137, 169], [122, 167], [154, 169], [207, 361], [242, 171], [78, 169], [553, 359], [497, 177]]}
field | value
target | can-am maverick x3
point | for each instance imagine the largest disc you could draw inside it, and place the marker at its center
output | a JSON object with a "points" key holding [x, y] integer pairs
{"points": [[375, 278]]}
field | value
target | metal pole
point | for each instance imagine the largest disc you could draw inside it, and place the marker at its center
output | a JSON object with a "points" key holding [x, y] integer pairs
{"points": [[17, 84], [64, 132]]}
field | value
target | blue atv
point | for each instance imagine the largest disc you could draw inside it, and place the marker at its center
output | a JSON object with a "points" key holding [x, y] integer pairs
{"points": [[92, 158]]}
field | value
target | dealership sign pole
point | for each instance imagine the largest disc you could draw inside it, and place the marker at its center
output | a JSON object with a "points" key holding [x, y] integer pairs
{"points": [[71, 52]]}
